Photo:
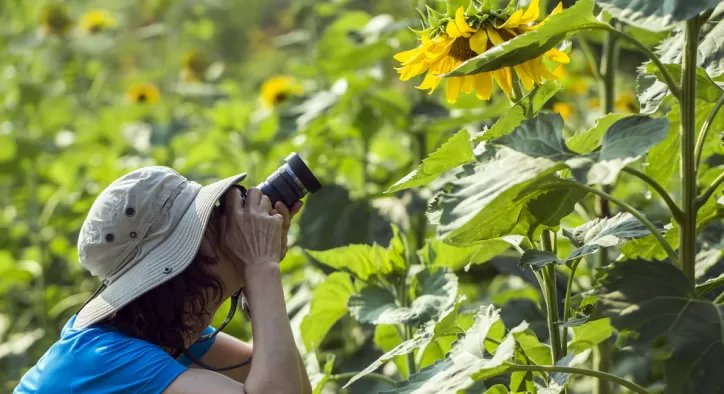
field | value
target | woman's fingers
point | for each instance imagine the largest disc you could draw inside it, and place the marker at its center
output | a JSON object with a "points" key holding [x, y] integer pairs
{"points": [[264, 204], [232, 201], [296, 207], [282, 209], [253, 197]]}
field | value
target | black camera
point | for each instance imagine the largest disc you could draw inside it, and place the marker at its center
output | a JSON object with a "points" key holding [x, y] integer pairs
{"points": [[290, 182]]}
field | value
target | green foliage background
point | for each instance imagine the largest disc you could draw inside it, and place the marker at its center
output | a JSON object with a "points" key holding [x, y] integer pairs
{"points": [[67, 130]]}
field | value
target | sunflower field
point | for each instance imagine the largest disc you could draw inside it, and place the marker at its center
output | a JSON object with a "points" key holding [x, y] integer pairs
{"points": [[518, 197]]}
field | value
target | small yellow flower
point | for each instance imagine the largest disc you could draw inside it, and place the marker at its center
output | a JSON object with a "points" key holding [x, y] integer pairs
{"points": [[625, 102], [96, 21], [55, 20], [467, 36], [194, 66], [276, 90], [564, 109], [144, 93]]}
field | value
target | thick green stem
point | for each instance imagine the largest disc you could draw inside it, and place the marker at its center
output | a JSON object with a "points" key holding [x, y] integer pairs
{"points": [[421, 220], [567, 303], [705, 130], [549, 282], [675, 211], [349, 375], [411, 368], [701, 200], [579, 371], [720, 299], [609, 62], [590, 57], [638, 215], [687, 134]]}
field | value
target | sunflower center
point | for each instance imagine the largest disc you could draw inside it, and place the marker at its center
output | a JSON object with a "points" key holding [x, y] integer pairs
{"points": [[460, 49], [96, 28], [280, 97], [142, 98]]}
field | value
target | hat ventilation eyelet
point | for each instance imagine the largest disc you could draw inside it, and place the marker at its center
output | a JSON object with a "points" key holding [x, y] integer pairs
{"points": [[167, 270], [110, 237], [130, 211], [132, 234]]}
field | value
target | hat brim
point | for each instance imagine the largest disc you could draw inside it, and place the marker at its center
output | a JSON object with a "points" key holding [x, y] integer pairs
{"points": [[168, 259]]}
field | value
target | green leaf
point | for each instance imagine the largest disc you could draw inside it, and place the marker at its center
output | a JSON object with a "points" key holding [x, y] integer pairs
{"points": [[709, 285], [454, 152], [558, 380], [497, 389], [440, 254], [586, 141], [362, 261], [648, 248], [422, 338], [657, 306], [329, 304], [590, 334], [397, 250], [466, 362], [377, 305], [535, 43], [656, 15], [536, 351], [530, 104], [537, 259], [706, 89], [387, 337], [318, 379]]}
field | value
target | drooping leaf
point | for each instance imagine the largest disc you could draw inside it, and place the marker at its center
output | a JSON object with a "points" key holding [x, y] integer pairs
{"points": [[329, 304], [377, 305], [656, 15], [557, 381], [422, 338], [523, 309], [657, 306], [361, 260], [590, 334], [591, 236], [440, 254], [454, 152], [538, 352], [523, 109], [588, 140], [466, 362], [533, 44]]}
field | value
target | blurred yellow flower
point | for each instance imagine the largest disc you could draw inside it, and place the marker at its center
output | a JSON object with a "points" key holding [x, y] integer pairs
{"points": [[468, 35], [194, 66], [564, 109], [144, 93], [55, 20], [276, 90], [626, 102], [96, 21]]}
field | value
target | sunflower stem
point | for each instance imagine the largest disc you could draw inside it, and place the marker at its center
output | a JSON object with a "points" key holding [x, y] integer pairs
{"points": [[567, 303], [687, 241], [549, 284], [609, 63]]}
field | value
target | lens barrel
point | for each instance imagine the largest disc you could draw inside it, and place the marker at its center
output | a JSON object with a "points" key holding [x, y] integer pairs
{"points": [[290, 182]]}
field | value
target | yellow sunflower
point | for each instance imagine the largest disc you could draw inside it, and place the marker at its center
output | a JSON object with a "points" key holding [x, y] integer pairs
{"points": [[194, 66], [466, 36], [96, 21], [276, 90], [626, 102], [143, 93], [564, 109], [55, 20]]}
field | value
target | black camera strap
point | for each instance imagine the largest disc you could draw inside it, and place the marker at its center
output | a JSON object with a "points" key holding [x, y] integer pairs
{"points": [[229, 316]]}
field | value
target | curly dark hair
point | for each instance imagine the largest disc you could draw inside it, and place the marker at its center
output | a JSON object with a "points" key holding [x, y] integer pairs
{"points": [[169, 314]]}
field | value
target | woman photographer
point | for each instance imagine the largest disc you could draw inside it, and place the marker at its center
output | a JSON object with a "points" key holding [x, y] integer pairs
{"points": [[169, 252]]}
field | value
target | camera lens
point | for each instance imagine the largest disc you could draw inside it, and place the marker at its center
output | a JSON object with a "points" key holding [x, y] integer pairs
{"points": [[290, 182]]}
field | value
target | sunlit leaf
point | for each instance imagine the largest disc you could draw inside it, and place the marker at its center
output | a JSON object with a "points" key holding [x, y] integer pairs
{"points": [[535, 43], [454, 152], [329, 304], [590, 334], [656, 15], [361, 260], [586, 141], [657, 306]]}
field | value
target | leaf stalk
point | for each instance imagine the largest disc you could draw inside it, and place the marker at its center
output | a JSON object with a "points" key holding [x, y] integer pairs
{"points": [[581, 371], [675, 210]]}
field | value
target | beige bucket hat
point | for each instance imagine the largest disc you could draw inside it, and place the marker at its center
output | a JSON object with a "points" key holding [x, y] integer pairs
{"points": [[142, 230]]}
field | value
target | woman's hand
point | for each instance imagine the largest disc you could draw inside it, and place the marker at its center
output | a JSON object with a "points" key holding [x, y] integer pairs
{"points": [[253, 233], [287, 215]]}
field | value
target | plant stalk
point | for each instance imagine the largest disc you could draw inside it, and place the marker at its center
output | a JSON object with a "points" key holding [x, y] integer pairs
{"points": [[580, 371], [421, 220], [609, 62], [567, 303], [701, 200], [687, 134], [373, 375], [549, 282], [675, 211], [705, 130]]}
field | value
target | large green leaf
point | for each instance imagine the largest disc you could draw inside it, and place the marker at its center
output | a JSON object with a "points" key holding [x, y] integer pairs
{"points": [[454, 152], [656, 15], [535, 43], [329, 304], [423, 336], [440, 254], [590, 334], [538, 352], [377, 305], [589, 239], [361, 260], [466, 362], [648, 247], [586, 141], [656, 308], [387, 337], [523, 109]]}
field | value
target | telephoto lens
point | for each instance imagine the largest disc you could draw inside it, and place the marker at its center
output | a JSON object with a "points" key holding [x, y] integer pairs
{"points": [[290, 182]]}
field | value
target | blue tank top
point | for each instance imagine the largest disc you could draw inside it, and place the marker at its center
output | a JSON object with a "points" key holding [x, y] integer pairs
{"points": [[100, 359]]}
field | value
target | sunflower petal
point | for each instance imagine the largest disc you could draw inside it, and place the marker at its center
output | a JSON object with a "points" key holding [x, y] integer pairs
{"points": [[513, 21], [479, 42], [452, 29], [430, 81], [484, 85], [524, 76], [453, 89], [406, 55], [463, 26], [468, 84], [494, 36], [505, 80], [557, 56], [560, 72], [412, 70], [531, 13]]}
